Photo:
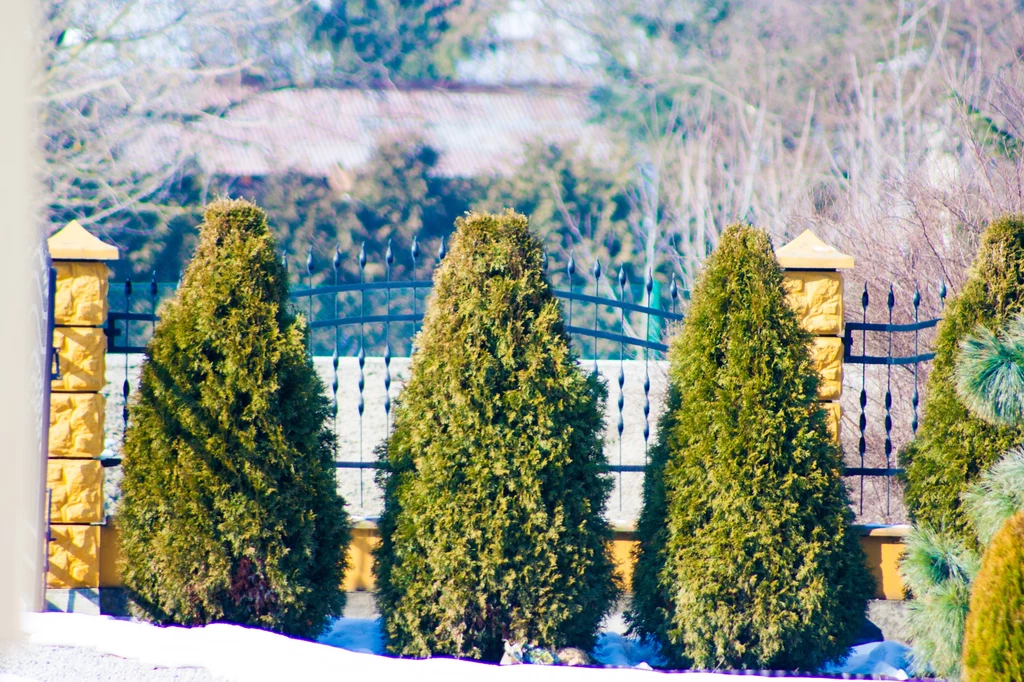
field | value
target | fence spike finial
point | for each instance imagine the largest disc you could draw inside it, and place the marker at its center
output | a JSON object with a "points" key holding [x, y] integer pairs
{"points": [[362, 256], [649, 282], [389, 255], [441, 251], [571, 267], [336, 262], [415, 249], [309, 261]]}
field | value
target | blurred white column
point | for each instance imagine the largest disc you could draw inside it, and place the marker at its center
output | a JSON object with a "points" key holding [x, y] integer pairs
{"points": [[21, 532]]}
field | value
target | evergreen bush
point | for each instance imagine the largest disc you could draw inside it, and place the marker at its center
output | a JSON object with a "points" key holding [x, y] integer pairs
{"points": [[746, 558], [953, 445], [229, 508], [938, 570], [994, 638], [494, 475]]}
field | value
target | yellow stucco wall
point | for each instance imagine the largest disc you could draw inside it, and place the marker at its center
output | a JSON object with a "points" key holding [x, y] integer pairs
{"points": [[110, 554], [360, 558], [76, 490], [82, 352], [817, 299], [827, 356], [882, 548], [81, 296], [76, 424], [74, 556]]}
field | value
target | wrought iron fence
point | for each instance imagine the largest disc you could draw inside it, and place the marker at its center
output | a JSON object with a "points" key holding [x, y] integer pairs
{"points": [[895, 350], [617, 318], [608, 318]]}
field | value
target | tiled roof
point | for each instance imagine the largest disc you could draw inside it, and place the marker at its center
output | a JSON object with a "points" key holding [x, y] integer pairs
{"points": [[315, 131]]}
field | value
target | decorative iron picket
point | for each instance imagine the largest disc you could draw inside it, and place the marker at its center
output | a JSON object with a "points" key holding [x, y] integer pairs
{"points": [[338, 305], [889, 361]]}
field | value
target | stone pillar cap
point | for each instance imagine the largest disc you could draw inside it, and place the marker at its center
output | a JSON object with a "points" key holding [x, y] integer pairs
{"points": [[73, 242], [807, 252]]}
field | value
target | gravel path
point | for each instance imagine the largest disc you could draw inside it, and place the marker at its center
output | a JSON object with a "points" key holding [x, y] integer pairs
{"points": [[77, 664]]}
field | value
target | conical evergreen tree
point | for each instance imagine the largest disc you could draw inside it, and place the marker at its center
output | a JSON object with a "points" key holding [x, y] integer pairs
{"points": [[953, 445], [994, 638], [746, 558], [494, 476], [229, 508]]}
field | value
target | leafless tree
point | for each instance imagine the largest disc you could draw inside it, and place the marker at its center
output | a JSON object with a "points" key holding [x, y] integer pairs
{"points": [[124, 79]]}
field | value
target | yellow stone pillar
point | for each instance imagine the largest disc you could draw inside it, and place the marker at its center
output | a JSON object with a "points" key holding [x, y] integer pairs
{"points": [[74, 473], [814, 281]]}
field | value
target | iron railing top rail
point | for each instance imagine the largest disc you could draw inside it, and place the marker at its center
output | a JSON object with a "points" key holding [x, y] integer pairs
{"points": [[298, 294]]}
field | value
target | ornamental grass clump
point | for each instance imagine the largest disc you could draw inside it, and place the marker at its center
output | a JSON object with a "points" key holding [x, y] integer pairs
{"points": [[746, 557], [229, 508], [955, 444], [994, 638], [494, 475]]}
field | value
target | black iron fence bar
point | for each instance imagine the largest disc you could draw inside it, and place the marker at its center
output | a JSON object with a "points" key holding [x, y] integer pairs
{"points": [[109, 462], [883, 360], [342, 321], [869, 471], [112, 332], [617, 338], [882, 327], [624, 305], [142, 317], [427, 284]]}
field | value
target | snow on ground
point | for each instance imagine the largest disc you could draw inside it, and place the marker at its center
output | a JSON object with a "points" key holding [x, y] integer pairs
{"points": [[354, 645]]}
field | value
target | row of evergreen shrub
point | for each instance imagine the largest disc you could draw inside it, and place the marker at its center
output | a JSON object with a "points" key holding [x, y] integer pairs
{"points": [[494, 478]]}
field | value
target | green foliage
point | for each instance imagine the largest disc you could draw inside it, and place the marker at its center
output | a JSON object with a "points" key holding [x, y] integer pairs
{"points": [[229, 508], [397, 194], [494, 476], [746, 558], [953, 446], [994, 640], [997, 495], [569, 199], [938, 570], [393, 40], [990, 374]]}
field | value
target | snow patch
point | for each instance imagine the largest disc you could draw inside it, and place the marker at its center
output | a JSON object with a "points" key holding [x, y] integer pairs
{"points": [[354, 645]]}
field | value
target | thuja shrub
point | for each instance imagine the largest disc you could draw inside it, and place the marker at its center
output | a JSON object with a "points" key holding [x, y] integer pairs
{"points": [[229, 510], [494, 475], [954, 445], [994, 638], [746, 557]]}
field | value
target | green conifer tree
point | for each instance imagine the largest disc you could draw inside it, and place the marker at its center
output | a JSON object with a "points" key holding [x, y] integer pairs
{"points": [[746, 558], [954, 445], [229, 508], [994, 637], [494, 476]]}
